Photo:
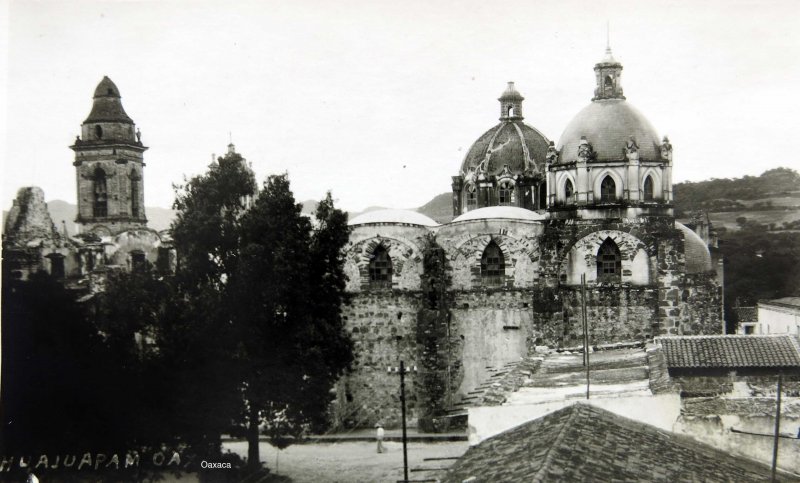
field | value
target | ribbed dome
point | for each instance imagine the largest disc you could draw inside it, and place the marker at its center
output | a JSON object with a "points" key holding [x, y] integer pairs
{"points": [[511, 143], [698, 258], [608, 124], [406, 217], [107, 105]]}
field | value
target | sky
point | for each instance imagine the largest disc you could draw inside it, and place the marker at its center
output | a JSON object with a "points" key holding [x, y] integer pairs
{"points": [[379, 101]]}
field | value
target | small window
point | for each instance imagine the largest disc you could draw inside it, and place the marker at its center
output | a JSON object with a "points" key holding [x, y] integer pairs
{"points": [[134, 194], [472, 197], [380, 269], [608, 189], [609, 84], [609, 262], [492, 266], [749, 329], [138, 261], [57, 270], [568, 191], [648, 189], [98, 132], [162, 262], [505, 194], [510, 111]]}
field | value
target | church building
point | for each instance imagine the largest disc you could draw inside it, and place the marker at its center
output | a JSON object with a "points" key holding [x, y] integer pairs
{"points": [[113, 233], [532, 218]]}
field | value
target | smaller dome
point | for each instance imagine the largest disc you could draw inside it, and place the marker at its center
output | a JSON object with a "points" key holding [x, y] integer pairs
{"points": [[698, 258], [107, 106], [405, 217], [500, 212]]}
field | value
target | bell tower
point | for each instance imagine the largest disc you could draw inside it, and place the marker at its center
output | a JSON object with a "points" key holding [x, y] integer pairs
{"points": [[109, 166]]}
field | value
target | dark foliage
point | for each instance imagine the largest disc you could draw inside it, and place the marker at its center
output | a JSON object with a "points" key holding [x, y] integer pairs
{"points": [[55, 370], [720, 194], [759, 265]]}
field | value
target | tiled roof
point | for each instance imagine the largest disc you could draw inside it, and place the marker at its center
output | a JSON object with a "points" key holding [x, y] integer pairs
{"points": [[584, 443], [730, 351], [785, 301]]}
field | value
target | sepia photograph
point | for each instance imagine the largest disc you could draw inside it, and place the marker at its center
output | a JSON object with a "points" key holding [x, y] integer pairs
{"points": [[399, 241]]}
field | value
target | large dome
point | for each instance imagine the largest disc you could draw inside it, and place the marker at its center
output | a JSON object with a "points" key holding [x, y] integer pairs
{"points": [[405, 217], [511, 143], [608, 124]]}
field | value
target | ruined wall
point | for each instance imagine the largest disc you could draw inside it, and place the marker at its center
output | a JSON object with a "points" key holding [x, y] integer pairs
{"points": [[495, 327]]}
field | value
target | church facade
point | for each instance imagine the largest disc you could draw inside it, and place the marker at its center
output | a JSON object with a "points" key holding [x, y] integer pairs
{"points": [[532, 219]]}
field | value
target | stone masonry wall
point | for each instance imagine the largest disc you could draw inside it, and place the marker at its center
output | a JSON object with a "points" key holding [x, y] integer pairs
{"points": [[382, 324], [615, 314]]}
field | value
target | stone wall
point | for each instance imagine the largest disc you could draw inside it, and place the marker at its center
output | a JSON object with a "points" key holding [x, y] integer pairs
{"points": [[616, 313], [383, 326]]}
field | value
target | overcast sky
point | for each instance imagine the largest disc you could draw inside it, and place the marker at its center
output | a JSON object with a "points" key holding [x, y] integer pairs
{"points": [[378, 101]]}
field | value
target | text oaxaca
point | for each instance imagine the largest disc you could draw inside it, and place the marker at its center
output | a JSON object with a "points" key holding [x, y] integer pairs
{"points": [[98, 461]]}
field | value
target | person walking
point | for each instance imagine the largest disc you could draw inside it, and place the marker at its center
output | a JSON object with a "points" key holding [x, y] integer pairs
{"points": [[379, 436]]}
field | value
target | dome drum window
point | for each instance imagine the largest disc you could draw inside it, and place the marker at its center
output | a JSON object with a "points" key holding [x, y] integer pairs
{"points": [[648, 188], [380, 269], [471, 196], [506, 194], [608, 190]]}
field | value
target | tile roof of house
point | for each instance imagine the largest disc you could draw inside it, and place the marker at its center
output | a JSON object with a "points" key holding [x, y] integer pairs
{"points": [[793, 302], [585, 443], [730, 351]]}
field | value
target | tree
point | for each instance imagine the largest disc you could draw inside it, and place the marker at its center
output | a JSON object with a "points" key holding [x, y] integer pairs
{"points": [[268, 285], [287, 294]]}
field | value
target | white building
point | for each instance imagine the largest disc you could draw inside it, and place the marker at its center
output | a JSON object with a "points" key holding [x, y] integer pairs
{"points": [[780, 316]]}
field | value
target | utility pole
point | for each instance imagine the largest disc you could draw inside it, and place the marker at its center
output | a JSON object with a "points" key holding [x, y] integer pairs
{"points": [[403, 413], [585, 331], [777, 429]]}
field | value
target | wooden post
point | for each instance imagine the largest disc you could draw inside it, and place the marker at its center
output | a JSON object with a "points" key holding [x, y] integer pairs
{"points": [[585, 331], [777, 428], [403, 415]]}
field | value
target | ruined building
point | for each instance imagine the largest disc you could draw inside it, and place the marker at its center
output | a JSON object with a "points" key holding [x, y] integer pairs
{"points": [[531, 218], [109, 173]]}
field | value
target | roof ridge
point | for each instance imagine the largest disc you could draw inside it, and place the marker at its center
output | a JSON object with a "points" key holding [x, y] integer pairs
{"points": [[540, 475]]}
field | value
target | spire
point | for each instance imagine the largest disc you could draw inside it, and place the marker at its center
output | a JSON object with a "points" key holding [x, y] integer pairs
{"points": [[608, 74], [231, 147], [107, 104], [511, 104]]}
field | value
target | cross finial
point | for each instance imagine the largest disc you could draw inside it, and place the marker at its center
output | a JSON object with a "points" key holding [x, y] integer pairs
{"points": [[608, 35]]}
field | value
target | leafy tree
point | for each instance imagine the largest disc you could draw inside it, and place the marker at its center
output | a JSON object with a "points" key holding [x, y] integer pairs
{"points": [[287, 295], [267, 285]]}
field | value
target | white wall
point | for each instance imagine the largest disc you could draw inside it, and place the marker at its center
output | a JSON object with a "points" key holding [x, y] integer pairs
{"points": [[661, 411], [778, 320]]}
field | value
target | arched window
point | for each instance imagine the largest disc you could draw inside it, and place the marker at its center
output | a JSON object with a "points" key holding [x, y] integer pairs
{"points": [[100, 194], [134, 194], [609, 262], [380, 268], [492, 266], [138, 261], [568, 191], [609, 84], [648, 188], [472, 197], [98, 132], [505, 194], [510, 111], [608, 189]]}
